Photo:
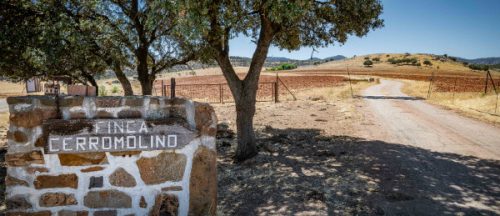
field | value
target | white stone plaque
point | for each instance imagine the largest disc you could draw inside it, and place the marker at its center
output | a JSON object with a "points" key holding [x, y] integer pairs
{"points": [[111, 135]]}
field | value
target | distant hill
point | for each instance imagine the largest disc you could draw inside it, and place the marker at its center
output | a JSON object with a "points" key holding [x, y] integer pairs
{"points": [[273, 61], [484, 61]]}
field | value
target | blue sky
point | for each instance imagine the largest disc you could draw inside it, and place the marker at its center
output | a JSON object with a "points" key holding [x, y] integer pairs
{"points": [[464, 28]]}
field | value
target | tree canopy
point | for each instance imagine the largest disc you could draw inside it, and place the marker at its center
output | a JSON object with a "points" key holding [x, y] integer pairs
{"points": [[284, 24]]}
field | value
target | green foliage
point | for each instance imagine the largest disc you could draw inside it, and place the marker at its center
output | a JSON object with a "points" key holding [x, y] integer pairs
{"points": [[479, 67], [102, 91], [285, 66], [403, 61], [368, 63], [427, 62], [115, 89]]}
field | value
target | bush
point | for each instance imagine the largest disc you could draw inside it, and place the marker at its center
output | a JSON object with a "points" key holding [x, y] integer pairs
{"points": [[465, 63], [387, 55], [102, 91], [285, 66], [114, 90], [368, 63], [427, 62], [479, 67], [377, 59], [367, 58]]}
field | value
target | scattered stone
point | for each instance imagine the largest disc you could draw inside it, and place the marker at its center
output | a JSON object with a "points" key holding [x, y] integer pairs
{"points": [[166, 204], [203, 183], [57, 199], [164, 167], [19, 202], [72, 213], [107, 199], [223, 131], [59, 181], [122, 178], [11, 181], [143, 203], [82, 159], [92, 169]]}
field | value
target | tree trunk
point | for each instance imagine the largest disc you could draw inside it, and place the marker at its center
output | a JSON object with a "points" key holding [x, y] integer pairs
{"points": [[127, 88], [245, 110]]}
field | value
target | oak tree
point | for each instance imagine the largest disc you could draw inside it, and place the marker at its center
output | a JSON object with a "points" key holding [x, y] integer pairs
{"points": [[284, 24]]}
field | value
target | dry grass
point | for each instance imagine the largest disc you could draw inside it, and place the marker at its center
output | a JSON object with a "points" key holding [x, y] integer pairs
{"points": [[473, 104], [336, 92]]}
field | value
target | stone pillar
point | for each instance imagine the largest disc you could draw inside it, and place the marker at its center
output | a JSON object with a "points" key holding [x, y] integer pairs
{"points": [[141, 182]]}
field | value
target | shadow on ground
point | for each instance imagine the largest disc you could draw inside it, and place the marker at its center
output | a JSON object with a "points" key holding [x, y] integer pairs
{"points": [[301, 172], [391, 97]]}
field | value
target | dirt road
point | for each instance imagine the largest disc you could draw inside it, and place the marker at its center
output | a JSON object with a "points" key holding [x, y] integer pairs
{"points": [[433, 161], [412, 121]]}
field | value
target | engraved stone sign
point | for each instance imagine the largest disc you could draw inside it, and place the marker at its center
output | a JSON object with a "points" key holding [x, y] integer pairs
{"points": [[111, 135]]}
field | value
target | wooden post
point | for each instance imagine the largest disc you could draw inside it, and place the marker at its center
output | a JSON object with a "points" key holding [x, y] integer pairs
{"points": [[276, 92], [172, 87], [163, 90], [221, 93], [454, 89], [486, 83], [350, 85]]}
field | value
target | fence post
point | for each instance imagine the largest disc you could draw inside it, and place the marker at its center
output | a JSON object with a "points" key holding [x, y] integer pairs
{"points": [[163, 90], [276, 92], [486, 84], [454, 89], [221, 93], [172, 87]]}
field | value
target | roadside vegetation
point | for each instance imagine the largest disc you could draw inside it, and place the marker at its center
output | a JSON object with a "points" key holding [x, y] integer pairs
{"points": [[284, 66]]}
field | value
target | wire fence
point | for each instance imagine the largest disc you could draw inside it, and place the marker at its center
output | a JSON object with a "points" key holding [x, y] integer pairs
{"points": [[478, 93]]}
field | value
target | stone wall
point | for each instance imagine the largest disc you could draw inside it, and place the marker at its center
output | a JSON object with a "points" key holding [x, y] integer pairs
{"points": [[166, 182]]}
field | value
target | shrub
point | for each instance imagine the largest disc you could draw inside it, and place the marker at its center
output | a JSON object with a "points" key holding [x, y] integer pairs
{"points": [[387, 55], [102, 91], [377, 59], [465, 63], [418, 64], [479, 67], [427, 62], [368, 63], [114, 90], [285, 66], [367, 58]]}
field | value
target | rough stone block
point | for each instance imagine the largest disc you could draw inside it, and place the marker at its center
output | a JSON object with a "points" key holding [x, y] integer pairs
{"points": [[102, 114], [105, 102], [176, 108], [143, 203], [165, 204], [83, 159], [96, 182], [17, 136], [20, 100], [59, 181], [204, 118], [57, 199], [106, 213], [92, 169], [122, 178], [30, 119], [11, 181], [203, 183], [34, 170], [134, 102], [129, 113], [172, 188], [164, 167], [40, 213], [107, 199], [71, 101], [77, 115], [72, 213], [24, 159], [18, 202]]}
